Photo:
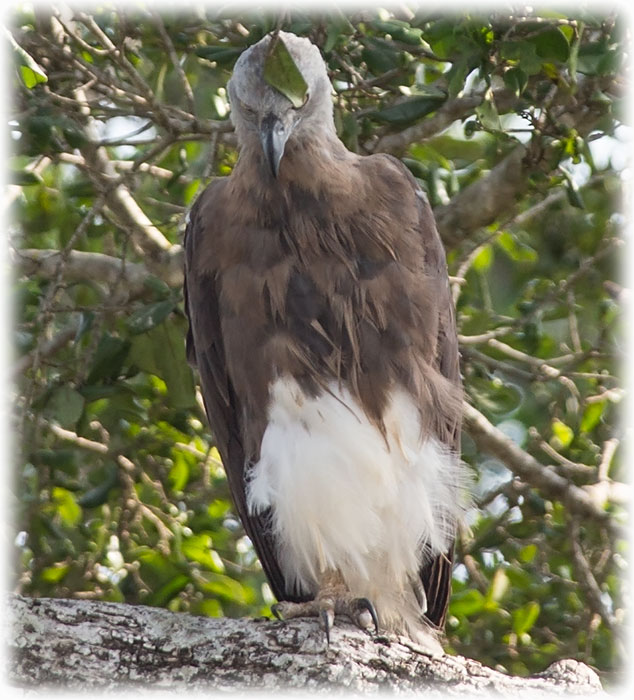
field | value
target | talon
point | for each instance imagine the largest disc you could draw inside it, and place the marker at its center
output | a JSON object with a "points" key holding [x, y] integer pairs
{"points": [[364, 605], [327, 620], [275, 609]]}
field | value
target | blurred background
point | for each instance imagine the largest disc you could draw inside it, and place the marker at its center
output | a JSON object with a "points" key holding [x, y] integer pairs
{"points": [[511, 120]]}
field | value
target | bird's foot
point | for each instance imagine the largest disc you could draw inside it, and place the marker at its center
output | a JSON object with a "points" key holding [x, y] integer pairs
{"points": [[332, 599]]}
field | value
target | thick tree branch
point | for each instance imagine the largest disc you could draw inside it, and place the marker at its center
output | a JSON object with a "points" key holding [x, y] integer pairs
{"points": [[90, 646], [483, 201]]}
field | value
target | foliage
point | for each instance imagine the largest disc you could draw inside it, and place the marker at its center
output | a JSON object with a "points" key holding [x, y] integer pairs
{"points": [[511, 124]]}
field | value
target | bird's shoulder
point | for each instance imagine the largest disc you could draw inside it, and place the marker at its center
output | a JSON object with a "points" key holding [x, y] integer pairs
{"points": [[209, 199], [203, 221], [392, 182]]}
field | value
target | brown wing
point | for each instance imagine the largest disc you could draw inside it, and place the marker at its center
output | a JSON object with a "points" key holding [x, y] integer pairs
{"points": [[205, 351], [435, 574]]}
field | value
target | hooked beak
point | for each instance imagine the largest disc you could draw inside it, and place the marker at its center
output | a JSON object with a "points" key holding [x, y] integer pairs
{"points": [[273, 135]]}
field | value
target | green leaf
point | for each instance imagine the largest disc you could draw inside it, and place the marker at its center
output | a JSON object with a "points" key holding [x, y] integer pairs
{"points": [[66, 506], [498, 587], [552, 45], [219, 54], [598, 58], [525, 617], [63, 459], [225, 587], [562, 435], [23, 178], [198, 548], [31, 72], [109, 358], [147, 317], [520, 252], [65, 406], [178, 475], [98, 495], [591, 416], [573, 194], [495, 396], [380, 56], [55, 573], [161, 351], [399, 30], [466, 603], [487, 113], [456, 76], [409, 110], [161, 597], [482, 261], [338, 27], [210, 608], [157, 286], [516, 80], [281, 73], [528, 553], [524, 53]]}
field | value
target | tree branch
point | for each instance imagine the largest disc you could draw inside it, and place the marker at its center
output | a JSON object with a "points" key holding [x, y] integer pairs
{"points": [[484, 200], [493, 441], [90, 646]]}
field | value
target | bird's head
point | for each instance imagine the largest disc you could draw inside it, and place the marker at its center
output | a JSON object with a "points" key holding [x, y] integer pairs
{"points": [[299, 106]]}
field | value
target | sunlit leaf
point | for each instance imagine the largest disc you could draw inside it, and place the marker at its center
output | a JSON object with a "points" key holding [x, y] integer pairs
{"points": [[498, 588], [525, 617], [178, 475], [528, 553], [483, 259], [55, 574], [66, 506], [225, 587], [281, 72], [515, 249], [562, 434], [467, 603], [592, 414], [31, 72]]}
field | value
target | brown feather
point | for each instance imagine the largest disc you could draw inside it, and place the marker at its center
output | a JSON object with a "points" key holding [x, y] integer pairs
{"points": [[332, 272]]}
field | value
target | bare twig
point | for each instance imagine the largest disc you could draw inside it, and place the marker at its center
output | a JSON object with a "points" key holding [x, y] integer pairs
{"points": [[47, 348], [187, 88], [493, 441], [586, 576], [82, 266]]}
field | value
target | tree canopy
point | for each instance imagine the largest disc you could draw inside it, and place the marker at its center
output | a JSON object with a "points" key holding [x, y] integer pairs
{"points": [[509, 119]]}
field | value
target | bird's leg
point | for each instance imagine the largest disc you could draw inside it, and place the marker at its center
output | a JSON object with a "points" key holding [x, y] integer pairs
{"points": [[333, 598]]}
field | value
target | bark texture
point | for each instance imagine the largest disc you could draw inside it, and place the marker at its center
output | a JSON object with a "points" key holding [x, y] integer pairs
{"points": [[83, 645]]}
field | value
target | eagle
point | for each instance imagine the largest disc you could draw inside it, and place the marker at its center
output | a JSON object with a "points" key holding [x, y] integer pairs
{"points": [[322, 327]]}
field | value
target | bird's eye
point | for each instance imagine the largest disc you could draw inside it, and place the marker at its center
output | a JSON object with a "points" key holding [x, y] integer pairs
{"points": [[246, 110]]}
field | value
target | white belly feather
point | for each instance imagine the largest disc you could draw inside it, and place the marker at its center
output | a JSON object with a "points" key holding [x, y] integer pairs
{"points": [[345, 498]]}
